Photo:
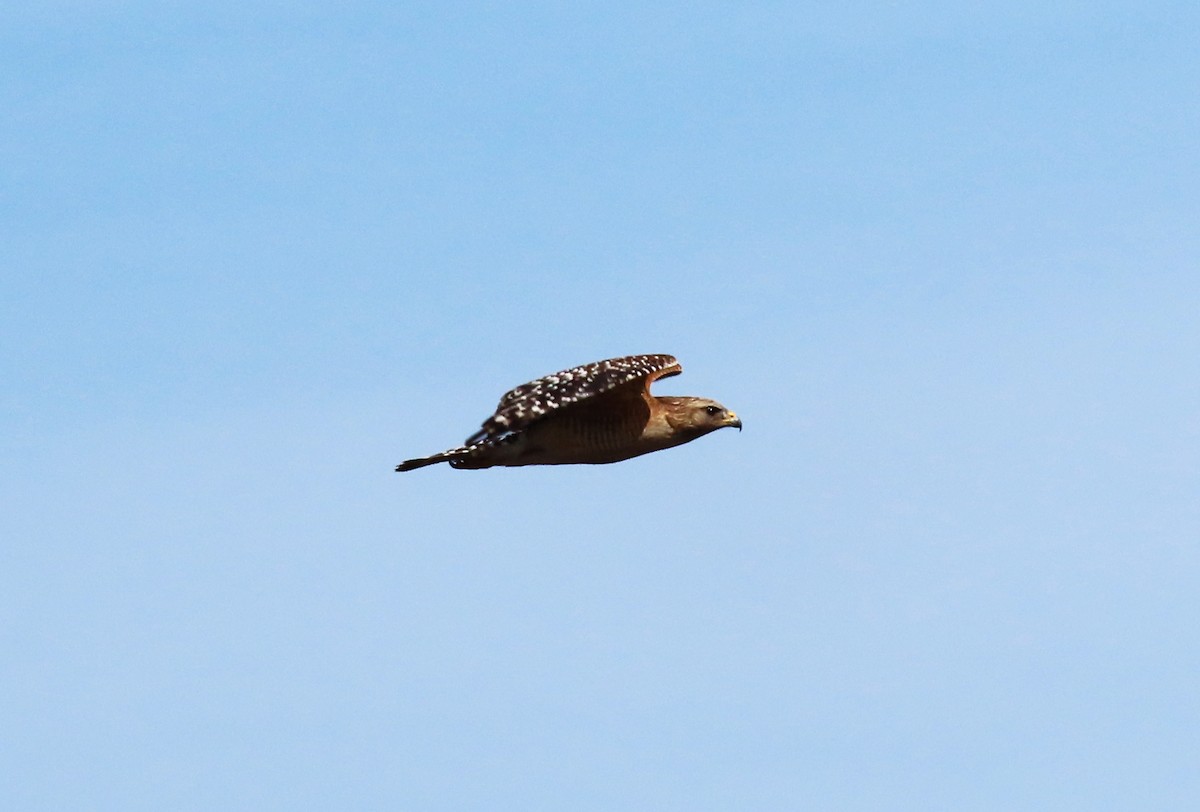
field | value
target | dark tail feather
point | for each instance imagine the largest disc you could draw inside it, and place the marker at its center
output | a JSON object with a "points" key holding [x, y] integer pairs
{"points": [[421, 462]]}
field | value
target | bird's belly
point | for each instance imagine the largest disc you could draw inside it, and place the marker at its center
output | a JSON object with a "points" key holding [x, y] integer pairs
{"points": [[574, 441]]}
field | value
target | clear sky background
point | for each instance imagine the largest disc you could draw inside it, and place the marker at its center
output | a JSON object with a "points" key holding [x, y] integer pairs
{"points": [[942, 257]]}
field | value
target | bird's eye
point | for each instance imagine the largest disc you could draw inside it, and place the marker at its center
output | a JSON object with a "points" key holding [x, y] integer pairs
{"points": [[712, 409]]}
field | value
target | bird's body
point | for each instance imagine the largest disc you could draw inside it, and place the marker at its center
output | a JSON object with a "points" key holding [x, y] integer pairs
{"points": [[592, 414]]}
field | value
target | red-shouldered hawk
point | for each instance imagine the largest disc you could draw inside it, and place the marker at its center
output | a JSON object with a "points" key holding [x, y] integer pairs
{"points": [[595, 413]]}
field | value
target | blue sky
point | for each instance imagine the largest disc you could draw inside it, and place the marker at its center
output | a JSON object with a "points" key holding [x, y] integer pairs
{"points": [[942, 258]]}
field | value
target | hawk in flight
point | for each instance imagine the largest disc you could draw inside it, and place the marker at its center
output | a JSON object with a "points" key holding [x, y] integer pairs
{"points": [[595, 413]]}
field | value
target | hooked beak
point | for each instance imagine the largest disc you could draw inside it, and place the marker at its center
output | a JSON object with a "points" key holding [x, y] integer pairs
{"points": [[732, 419]]}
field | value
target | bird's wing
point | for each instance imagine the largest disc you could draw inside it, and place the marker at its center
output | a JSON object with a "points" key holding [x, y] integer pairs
{"points": [[534, 400]]}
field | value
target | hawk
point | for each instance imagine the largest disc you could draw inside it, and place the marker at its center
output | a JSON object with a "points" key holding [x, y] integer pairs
{"points": [[591, 414]]}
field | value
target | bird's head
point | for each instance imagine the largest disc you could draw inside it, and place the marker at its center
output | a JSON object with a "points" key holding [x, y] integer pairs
{"points": [[698, 416]]}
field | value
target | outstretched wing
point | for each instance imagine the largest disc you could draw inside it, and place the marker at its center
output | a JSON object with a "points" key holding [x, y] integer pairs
{"points": [[534, 400]]}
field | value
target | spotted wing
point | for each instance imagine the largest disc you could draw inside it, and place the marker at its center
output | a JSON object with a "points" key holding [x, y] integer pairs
{"points": [[534, 400]]}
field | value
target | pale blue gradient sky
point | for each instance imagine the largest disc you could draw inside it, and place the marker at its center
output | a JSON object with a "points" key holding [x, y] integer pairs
{"points": [[944, 260]]}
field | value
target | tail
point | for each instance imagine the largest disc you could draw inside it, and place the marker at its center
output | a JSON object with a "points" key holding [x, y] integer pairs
{"points": [[451, 456], [421, 462]]}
